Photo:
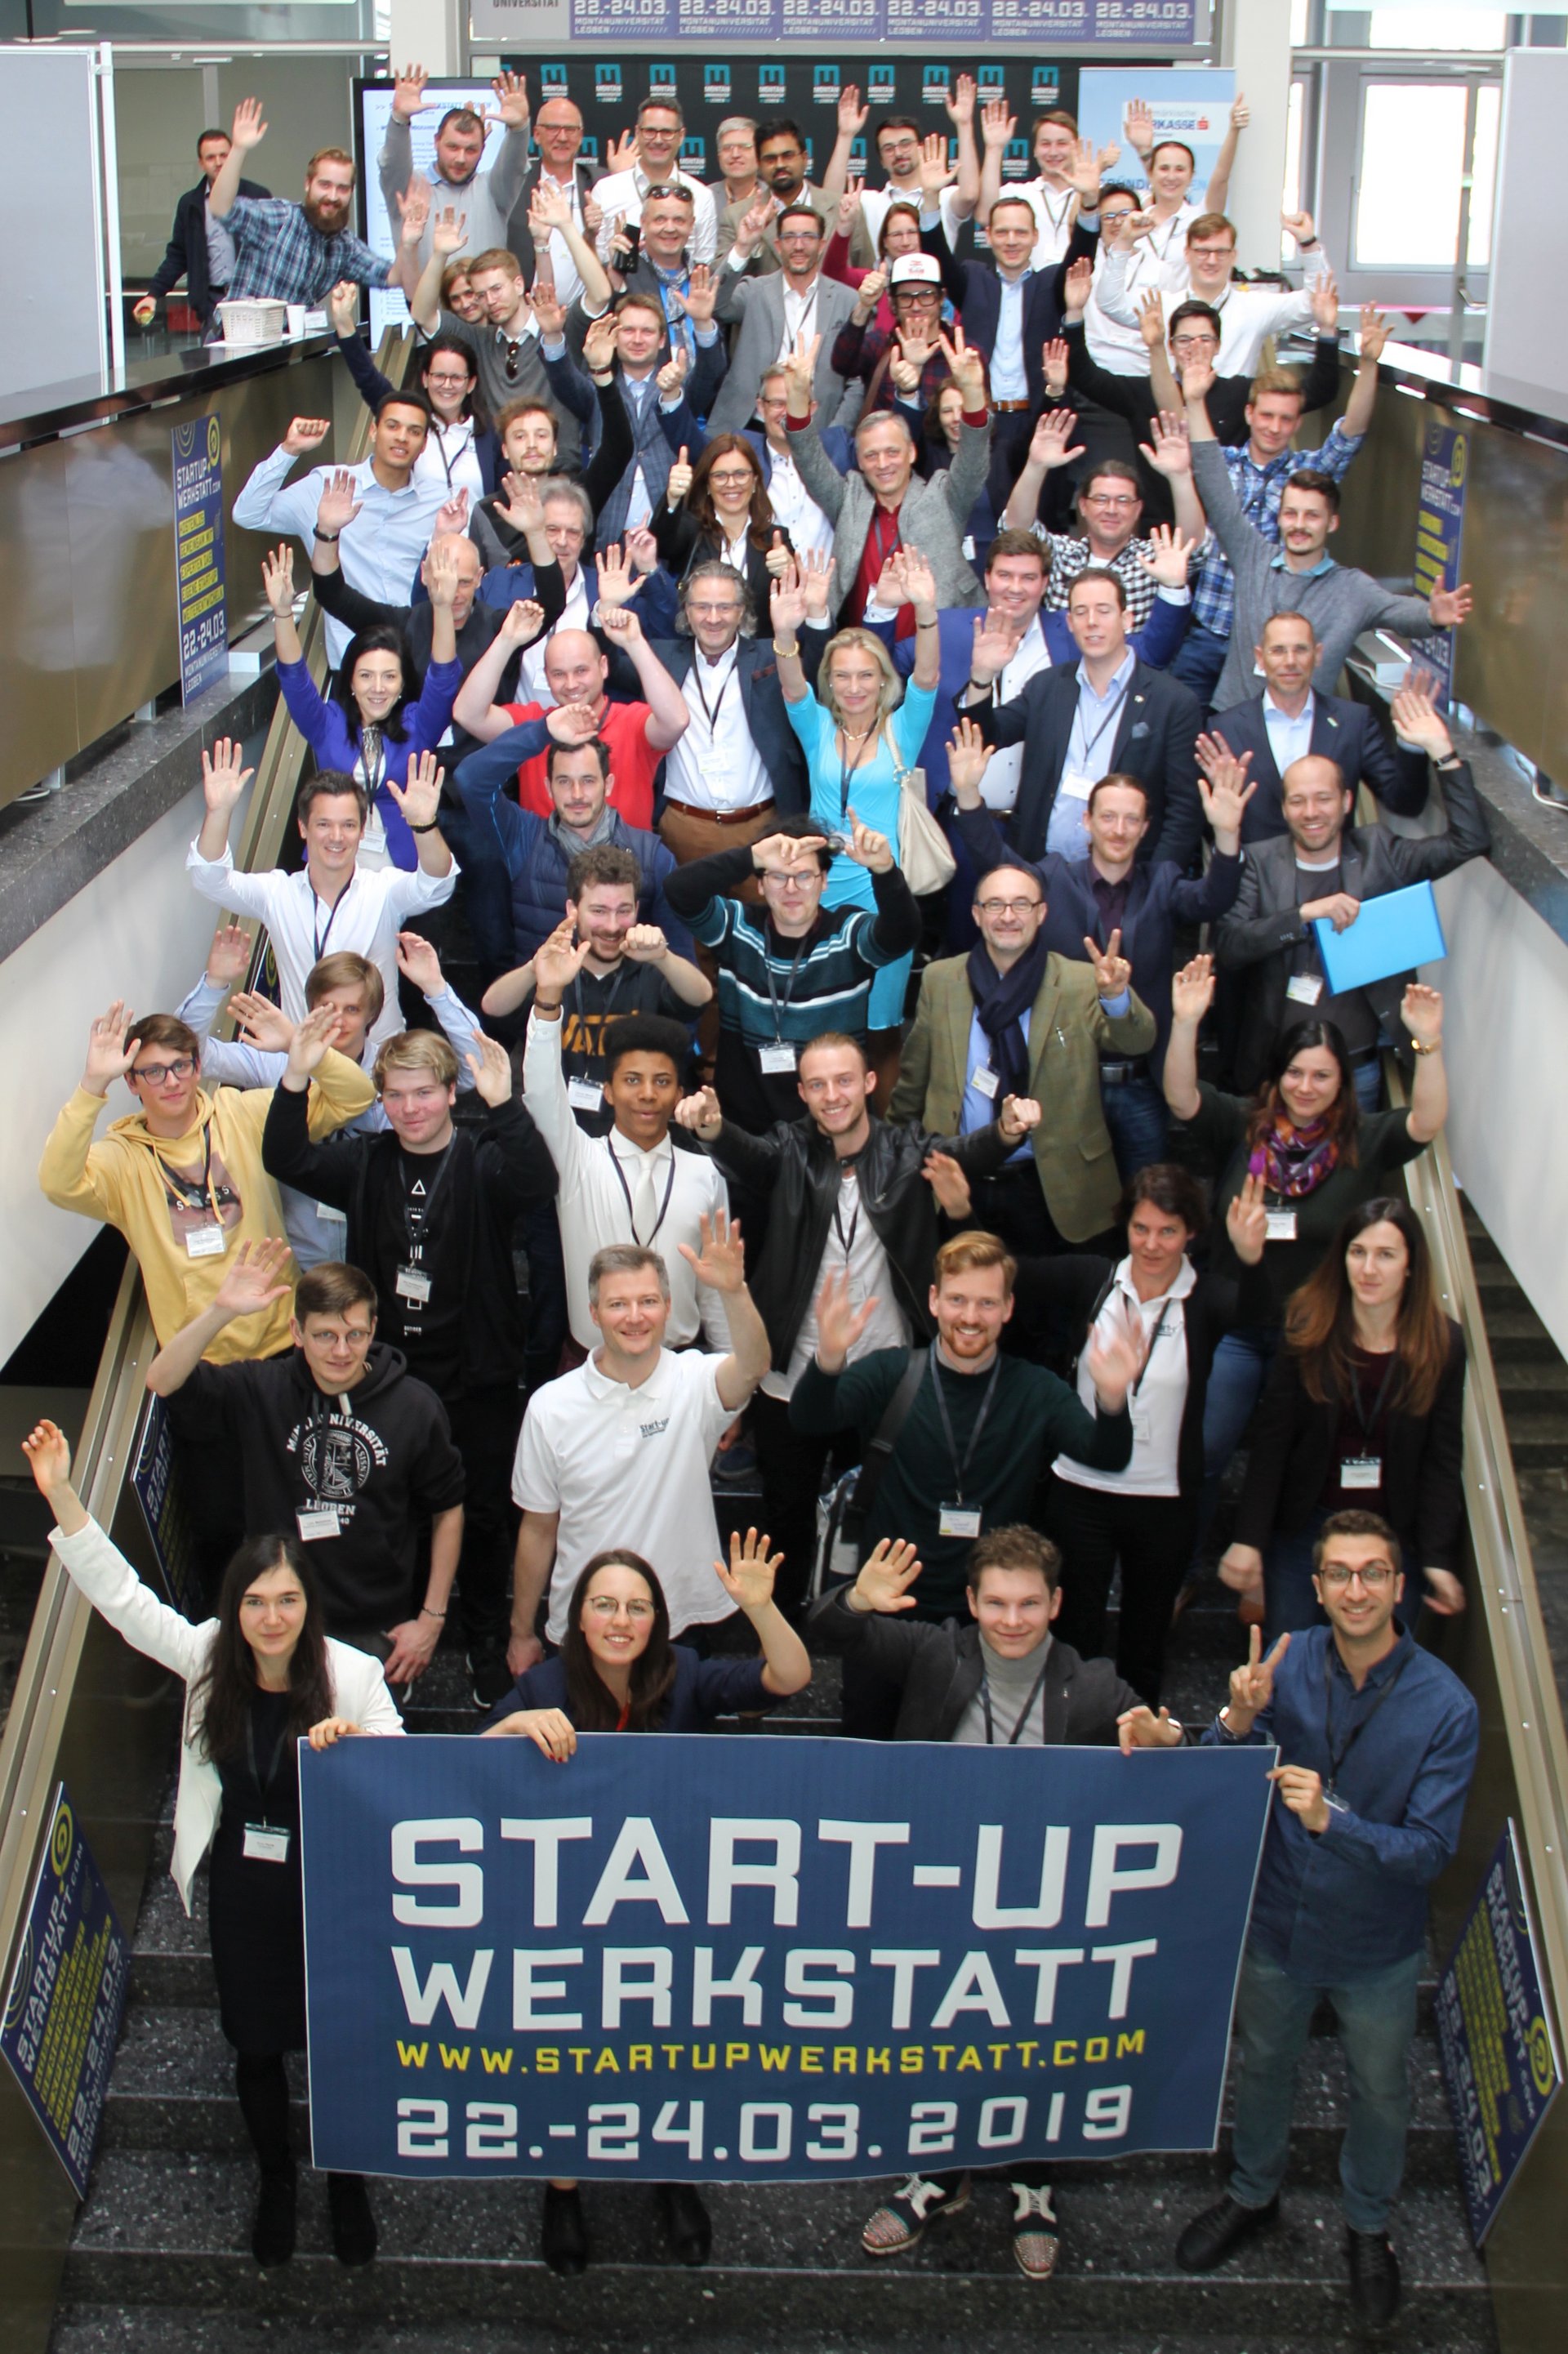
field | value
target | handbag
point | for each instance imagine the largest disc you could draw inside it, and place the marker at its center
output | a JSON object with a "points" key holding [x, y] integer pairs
{"points": [[842, 1509], [925, 856]]}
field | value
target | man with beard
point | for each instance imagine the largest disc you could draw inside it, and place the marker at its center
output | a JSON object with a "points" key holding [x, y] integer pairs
{"points": [[483, 201], [295, 253]]}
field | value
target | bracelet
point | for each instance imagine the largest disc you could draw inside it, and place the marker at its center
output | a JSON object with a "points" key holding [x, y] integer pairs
{"points": [[425, 1611], [790, 653], [433, 827], [982, 685], [328, 535], [1417, 1048]]}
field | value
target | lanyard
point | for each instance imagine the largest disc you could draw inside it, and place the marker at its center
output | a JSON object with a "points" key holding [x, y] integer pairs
{"points": [[196, 1195], [1034, 1693], [848, 767], [417, 1236], [1089, 741], [961, 1469], [1336, 1758], [317, 934], [262, 1787], [1056, 220], [441, 449], [1160, 1328], [643, 1242], [778, 1010], [606, 1010], [1369, 1422], [696, 678], [1163, 253]]}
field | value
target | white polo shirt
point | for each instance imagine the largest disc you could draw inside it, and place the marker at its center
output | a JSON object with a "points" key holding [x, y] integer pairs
{"points": [[629, 1467], [1161, 1398]]}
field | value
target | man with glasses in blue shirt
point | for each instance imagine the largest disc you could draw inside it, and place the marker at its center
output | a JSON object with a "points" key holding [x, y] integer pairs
{"points": [[1378, 1744]]}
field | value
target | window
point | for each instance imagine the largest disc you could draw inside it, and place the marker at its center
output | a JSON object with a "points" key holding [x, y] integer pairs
{"points": [[1437, 31], [1291, 194], [1412, 160]]}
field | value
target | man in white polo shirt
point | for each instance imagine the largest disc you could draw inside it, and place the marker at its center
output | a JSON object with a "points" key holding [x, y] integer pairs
{"points": [[330, 903], [620, 1449]]}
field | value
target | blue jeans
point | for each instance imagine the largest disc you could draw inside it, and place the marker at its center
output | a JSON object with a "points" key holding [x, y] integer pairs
{"points": [[1367, 1079], [1290, 1603], [1138, 1117], [1235, 1383], [1376, 2019], [1199, 659]]}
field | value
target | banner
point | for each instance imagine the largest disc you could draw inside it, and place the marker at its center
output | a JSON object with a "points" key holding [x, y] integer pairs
{"points": [[711, 1957], [198, 556], [156, 1487], [1193, 105], [62, 2008], [1501, 2058], [1439, 529]]}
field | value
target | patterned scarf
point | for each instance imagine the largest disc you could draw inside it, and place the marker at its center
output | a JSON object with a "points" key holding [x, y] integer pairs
{"points": [[1294, 1160]]}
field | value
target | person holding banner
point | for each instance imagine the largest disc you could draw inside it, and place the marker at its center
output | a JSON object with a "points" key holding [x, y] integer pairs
{"points": [[262, 1674], [1378, 1742], [618, 1671], [999, 1677]]}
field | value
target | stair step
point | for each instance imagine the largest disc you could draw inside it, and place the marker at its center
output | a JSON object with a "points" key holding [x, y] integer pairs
{"points": [[1538, 1439], [1540, 1382], [174, 2232]]}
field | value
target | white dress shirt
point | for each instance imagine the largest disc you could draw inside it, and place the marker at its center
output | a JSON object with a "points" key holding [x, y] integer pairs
{"points": [[1158, 259], [534, 685], [794, 509], [613, 1192], [569, 285], [1053, 211], [715, 765], [302, 928], [1159, 1400], [1248, 314], [1096, 726], [875, 204], [1008, 380], [380, 551], [626, 193], [800, 316], [448, 462], [1288, 739], [1004, 770]]}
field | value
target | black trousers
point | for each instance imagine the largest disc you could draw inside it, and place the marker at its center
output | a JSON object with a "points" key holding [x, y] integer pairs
{"points": [[484, 1431], [1013, 1205], [1151, 1536], [792, 1465]]}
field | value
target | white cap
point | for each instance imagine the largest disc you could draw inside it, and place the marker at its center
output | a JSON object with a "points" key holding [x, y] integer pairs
{"points": [[915, 270]]}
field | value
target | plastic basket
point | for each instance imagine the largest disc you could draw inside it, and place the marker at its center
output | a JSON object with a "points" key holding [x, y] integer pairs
{"points": [[249, 320]]}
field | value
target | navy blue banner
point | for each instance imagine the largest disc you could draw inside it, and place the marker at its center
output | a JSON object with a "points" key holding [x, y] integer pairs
{"points": [[68, 1990], [163, 1511], [198, 556], [1439, 531], [1500, 2057], [742, 1959]]}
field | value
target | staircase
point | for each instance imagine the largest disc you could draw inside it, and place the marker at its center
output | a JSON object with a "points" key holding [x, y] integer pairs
{"points": [[160, 2259]]}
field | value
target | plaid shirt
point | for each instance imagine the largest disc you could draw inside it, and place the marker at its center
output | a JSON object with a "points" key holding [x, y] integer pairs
{"points": [[1069, 556], [280, 258], [1260, 490]]}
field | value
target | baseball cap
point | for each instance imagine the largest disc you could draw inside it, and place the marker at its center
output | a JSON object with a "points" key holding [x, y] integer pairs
{"points": [[915, 270]]}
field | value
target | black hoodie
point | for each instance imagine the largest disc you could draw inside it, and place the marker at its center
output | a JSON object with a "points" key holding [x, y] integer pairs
{"points": [[353, 1476]]}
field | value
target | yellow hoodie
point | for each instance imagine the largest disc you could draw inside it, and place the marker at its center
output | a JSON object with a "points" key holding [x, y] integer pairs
{"points": [[122, 1181]]}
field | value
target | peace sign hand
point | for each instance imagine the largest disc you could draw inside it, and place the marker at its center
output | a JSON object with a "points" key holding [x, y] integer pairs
{"points": [[1252, 1686], [1112, 971]]}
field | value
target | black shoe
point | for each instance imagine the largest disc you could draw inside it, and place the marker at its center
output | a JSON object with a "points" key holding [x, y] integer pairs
{"points": [[490, 1678], [1212, 2236], [563, 2235], [272, 2233], [686, 2222], [353, 2224], [1374, 2276]]}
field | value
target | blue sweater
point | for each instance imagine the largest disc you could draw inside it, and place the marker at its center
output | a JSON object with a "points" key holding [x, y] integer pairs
{"points": [[703, 1689], [325, 728], [1350, 1900]]}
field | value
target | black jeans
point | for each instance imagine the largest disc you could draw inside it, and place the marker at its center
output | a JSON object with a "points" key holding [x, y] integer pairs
{"points": [[1152, 1538], [1013, 1205], [793, 1466], [484, 1431]]}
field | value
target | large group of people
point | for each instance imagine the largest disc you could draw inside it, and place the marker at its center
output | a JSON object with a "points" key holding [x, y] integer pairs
{"points": [[863, 705]]}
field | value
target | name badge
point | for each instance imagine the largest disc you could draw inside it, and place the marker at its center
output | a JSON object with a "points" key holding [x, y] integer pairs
{"points": [[958, 1520], [984, 1081], [1360, 1471], [778, 1058], [264, 1844], [1077, 786], [318, 1521], [1279, 1225], [1305, 988], [204, 1242], [331, 1217], [585, 1095], [413, 1284]]}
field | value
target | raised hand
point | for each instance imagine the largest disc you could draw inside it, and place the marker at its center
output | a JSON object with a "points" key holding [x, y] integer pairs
{"points": [[47, 1451], [1170, 554], [754, 222], [511, 101], [968, 756], [572, 723], [948, 1184], [108, 1055], [920, 584], [416, 960], [1085, 173], [1421, 1011], [935, 172], [748, 1575], [1139, 1728], [1051, 444], [1301, 227], [249, 126], [1375, 330], [1076, 288], [1115, 1359], [621, 154], [967, 368], [305, 434], [419, 797], [619, 622], [645, 944], [491, 1070], [557, 960], [885, 1577], [448, 232], [1197, 377], [598, 344], [1324, 301], [278, 583], [1417, 720], [228, 957], [787, 606], [997, 638], [680, 478], [1137, 122], [867, 848], [997, 125], [800, 374], [1246, 1221], [672, 376], [549, 208], [701, 295], [451, 515], [408, 94], [1151, 319], [1112, 971], [1223, 789], [259, 1022], [815, 573], [1193, 991], [1054, 358], [849, 205], [339, 504], [442, 578], [522, 622], [641, 549], [1168, 449], [522, 509], [840, 1323], [700, 1115], [852, 116], [719, 1260], [343, 307], [960, 103], [549, 314], [413, 212], [224, 776], [250, 1280], [312, 1039], [616, 585]]}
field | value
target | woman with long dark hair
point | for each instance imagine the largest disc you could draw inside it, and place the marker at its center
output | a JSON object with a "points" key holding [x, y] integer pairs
{"points": [[462, 452], [717, 511], [618, 1671], [261, 1674], [1363, 1408], [376, 721], [1315, 1152]]}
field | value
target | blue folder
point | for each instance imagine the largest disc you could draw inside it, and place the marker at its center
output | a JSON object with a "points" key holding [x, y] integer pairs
{"points": [[1395, 933]]}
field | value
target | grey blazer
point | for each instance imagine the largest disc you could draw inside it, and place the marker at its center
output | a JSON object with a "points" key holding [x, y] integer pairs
{"points": [[753, 303], [933, 517]]}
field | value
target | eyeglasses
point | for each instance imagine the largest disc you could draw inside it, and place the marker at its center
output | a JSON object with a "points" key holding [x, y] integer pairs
{"points": [[1008, 906], [1210, 252], [605, 1606], [153, 1075], [448, 383], [725, 612], [731, 478], [1374, 1578], [1194, 343], [797, 878], [1110, 499]]}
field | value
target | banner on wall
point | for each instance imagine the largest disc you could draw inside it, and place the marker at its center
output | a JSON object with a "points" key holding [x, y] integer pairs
{"points": [[709, 1957], [201, 597], [1192, 105], [1439, 531]]}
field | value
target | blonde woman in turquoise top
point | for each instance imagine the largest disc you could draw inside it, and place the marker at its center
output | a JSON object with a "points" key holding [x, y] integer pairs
{"points": [[857, 736]]}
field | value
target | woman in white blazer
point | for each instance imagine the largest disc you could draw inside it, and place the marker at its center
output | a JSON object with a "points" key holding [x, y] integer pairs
{"points": [[260, 1675]]}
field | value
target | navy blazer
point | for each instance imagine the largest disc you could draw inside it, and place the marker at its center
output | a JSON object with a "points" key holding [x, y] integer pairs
{"points": [[1155, 741], [703, 1689], [1158, 897], [980, 311], [1346, 733], [185, 256]]}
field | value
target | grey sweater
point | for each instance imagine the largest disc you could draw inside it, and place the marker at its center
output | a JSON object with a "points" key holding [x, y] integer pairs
{"points": [[484, 204], [1338, 602]]}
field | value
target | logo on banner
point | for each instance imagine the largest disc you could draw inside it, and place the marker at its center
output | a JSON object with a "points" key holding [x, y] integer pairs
{"points": [[826, 83], [1016, 160], [715, 85], [660, 81], [993, 81], [857, 155], [694, 152], [607, 85], [1044, 87], [588, 152], [936, 82], [551, 81], [882, 85], [770, 86]]}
